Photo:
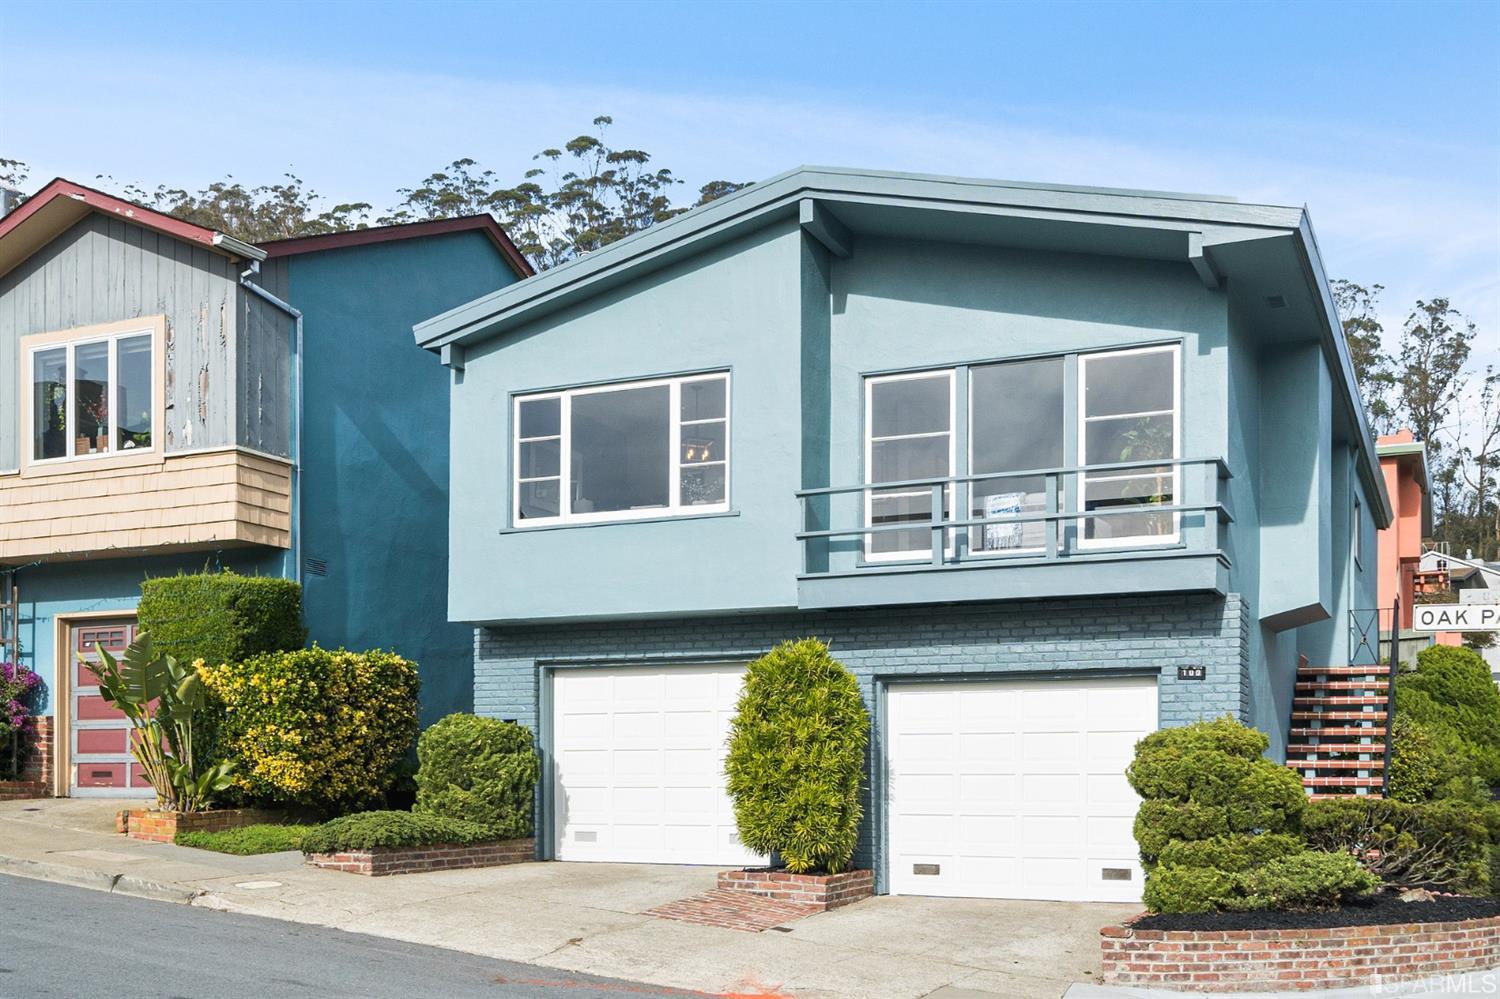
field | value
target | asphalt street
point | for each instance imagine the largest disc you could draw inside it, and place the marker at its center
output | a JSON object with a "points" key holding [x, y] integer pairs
{"points": [[57, 940]]}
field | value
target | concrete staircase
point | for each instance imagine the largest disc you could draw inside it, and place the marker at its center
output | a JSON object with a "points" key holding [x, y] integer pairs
{"points": [[1340, 725]]}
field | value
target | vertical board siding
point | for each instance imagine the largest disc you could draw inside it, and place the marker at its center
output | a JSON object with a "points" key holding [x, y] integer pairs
{"points": [[107, 269], [264, 363]]}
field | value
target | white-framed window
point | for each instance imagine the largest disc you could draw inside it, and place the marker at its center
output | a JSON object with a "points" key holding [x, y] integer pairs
{"points": [[623, 451], [92, 397], [1016, 423], [1129, 411], [908, 435]]}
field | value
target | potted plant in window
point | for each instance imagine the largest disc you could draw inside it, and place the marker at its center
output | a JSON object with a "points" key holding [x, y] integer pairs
{"points": [[97, 411]]}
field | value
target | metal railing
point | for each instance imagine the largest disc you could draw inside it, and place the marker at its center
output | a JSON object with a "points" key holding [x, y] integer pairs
{"points": [[1194, 509]]}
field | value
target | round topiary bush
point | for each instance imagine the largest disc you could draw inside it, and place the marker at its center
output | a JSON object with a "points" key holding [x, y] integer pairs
{"points": [[796, 758], [480, 770]]}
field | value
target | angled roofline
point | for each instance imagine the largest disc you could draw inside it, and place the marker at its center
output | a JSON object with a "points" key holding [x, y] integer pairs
{"points": [[90, 199], [484, 223]]}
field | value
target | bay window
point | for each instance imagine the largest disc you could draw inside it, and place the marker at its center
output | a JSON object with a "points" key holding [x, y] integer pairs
{"points": [[92, 397], [1017, 423], [622, 451]]}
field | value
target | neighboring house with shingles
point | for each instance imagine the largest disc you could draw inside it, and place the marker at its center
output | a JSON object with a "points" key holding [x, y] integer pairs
{"points": [[1048, 467], [163, 408]]}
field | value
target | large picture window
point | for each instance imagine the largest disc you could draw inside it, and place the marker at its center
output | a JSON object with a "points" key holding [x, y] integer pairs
{"points": [[94, 397], [1128, 401], [908, 435], [623, 451]]}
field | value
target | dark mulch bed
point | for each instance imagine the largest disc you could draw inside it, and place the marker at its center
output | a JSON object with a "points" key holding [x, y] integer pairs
{"points": [[1384, 907]]}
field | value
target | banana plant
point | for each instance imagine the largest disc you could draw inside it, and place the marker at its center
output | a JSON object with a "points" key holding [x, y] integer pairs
{"points": [[161, 698]]}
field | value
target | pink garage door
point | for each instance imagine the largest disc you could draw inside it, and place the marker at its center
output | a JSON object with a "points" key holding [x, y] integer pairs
{"points": [[101, 763]]}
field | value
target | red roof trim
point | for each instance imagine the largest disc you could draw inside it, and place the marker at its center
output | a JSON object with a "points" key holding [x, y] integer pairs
{"points": [[109, 205], [408, 230]]}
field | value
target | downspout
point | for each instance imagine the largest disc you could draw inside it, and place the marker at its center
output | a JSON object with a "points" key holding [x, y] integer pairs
{"points": [[249, 285]]}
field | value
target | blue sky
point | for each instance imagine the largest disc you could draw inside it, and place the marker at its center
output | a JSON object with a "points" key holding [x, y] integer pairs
{"points": [[1383, 118]]}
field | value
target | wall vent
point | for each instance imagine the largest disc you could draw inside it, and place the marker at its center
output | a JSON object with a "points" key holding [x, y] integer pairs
{"points": [[315, 566], [1276, 301]]}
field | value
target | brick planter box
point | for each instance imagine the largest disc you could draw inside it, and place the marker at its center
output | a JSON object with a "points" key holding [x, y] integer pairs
{"points": [[23, 790], [1297, 960], [381, 861], [162, 827], [817, 891]]}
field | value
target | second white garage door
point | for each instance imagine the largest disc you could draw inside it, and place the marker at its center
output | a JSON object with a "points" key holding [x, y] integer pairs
{"points": [[638, 758], [1016, 789]]}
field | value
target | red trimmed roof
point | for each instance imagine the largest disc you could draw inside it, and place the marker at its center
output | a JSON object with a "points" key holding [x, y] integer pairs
{"points": [[46, 214], [408, 230]]}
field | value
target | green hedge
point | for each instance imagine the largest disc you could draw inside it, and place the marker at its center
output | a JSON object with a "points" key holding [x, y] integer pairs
{"points": [[246, 841], [319, 728], [1453, 694], [221, 617], [1302, 880], [481, 770], [1442, 843], [368, 830], [1430, 761], [796, 757]]}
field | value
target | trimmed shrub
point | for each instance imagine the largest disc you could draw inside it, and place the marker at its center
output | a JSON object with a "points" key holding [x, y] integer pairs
{"points": [[796, 757], [1451, 690], [319, 728], [369, 830], [1231, 853], [1303, 880], [481, 770], [1444, 844], [1429, 761], [221, 617]]}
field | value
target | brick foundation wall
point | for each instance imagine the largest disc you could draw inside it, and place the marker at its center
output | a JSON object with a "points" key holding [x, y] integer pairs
{"points": [[23, 790], [817, 891], [1155, 634], [163, 827], [1297, 960], [416, 859]]}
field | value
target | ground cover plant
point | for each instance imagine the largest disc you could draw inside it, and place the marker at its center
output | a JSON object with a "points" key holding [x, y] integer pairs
{"points": [[247, 840], [374, 830], [796, 757]]}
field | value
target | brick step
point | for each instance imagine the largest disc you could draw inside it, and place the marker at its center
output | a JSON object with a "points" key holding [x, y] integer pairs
{"points": [[1342, 782], [1363, 700], [1336, 747], [1337, 764], [1316, 685], [1324, 797], [1340, 715], [1344, 671], [1339, 730]]}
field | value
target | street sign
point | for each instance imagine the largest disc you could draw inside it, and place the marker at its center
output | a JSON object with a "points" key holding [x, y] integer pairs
{"points": [[1456, 617]]}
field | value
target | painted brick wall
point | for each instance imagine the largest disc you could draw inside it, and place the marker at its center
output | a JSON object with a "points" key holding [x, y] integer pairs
{"points": [[1156, 633]]}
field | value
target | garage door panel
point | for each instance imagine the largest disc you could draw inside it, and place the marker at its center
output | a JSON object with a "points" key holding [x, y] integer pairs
{"points": [[1040, 808], [647, 783]]}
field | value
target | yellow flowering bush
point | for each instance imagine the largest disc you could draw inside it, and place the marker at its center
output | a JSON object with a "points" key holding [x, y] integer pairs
{"points": [[318, 728]]}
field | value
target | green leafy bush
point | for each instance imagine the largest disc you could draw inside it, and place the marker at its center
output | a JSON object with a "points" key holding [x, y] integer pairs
{"points": [[1451, 691], [1430, 761], [1303, 880], [368, 830], [221, 617], [246, 840], [1219, 826], [796, 757], [479, 769], [319, 728], [1440, 843]]}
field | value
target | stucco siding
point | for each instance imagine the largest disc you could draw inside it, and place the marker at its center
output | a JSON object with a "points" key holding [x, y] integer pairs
{"points": [[103, 270], [1153, 635]]}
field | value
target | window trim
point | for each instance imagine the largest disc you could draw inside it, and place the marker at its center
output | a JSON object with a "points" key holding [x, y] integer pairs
{"points": [[675, 507], [1133, 540], [870, 381], [29, 346]]}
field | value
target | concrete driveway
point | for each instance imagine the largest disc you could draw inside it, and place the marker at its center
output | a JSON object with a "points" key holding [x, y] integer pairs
{"points": [[591, 918]]}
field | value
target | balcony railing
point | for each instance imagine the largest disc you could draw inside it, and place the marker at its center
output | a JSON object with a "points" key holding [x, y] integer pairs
{"points": [[1025, 517]]}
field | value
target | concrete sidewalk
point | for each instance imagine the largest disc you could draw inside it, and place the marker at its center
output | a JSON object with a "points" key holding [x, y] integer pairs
{"points": [[590, 917]]}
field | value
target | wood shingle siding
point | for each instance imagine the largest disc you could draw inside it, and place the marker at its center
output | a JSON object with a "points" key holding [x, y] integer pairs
{"points": [[207, 499]]}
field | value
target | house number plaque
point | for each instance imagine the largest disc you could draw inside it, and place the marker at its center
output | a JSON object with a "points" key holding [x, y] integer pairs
{"points": [[1191, 672]]}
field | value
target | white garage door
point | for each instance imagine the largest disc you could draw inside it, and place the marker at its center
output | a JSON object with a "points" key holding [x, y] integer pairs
{"points": [[1015, 789], [639, 765]]}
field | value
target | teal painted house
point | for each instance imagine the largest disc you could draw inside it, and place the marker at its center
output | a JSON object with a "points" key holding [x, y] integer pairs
{"points": [[173, 398], [1048, 467]]}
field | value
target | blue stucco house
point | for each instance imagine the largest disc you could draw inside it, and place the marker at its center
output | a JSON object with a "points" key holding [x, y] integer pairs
{"points": [[173, 398], [1048, 467]]}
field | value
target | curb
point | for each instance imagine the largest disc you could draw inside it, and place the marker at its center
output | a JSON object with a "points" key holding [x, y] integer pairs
{"points": [[80, 877]]}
